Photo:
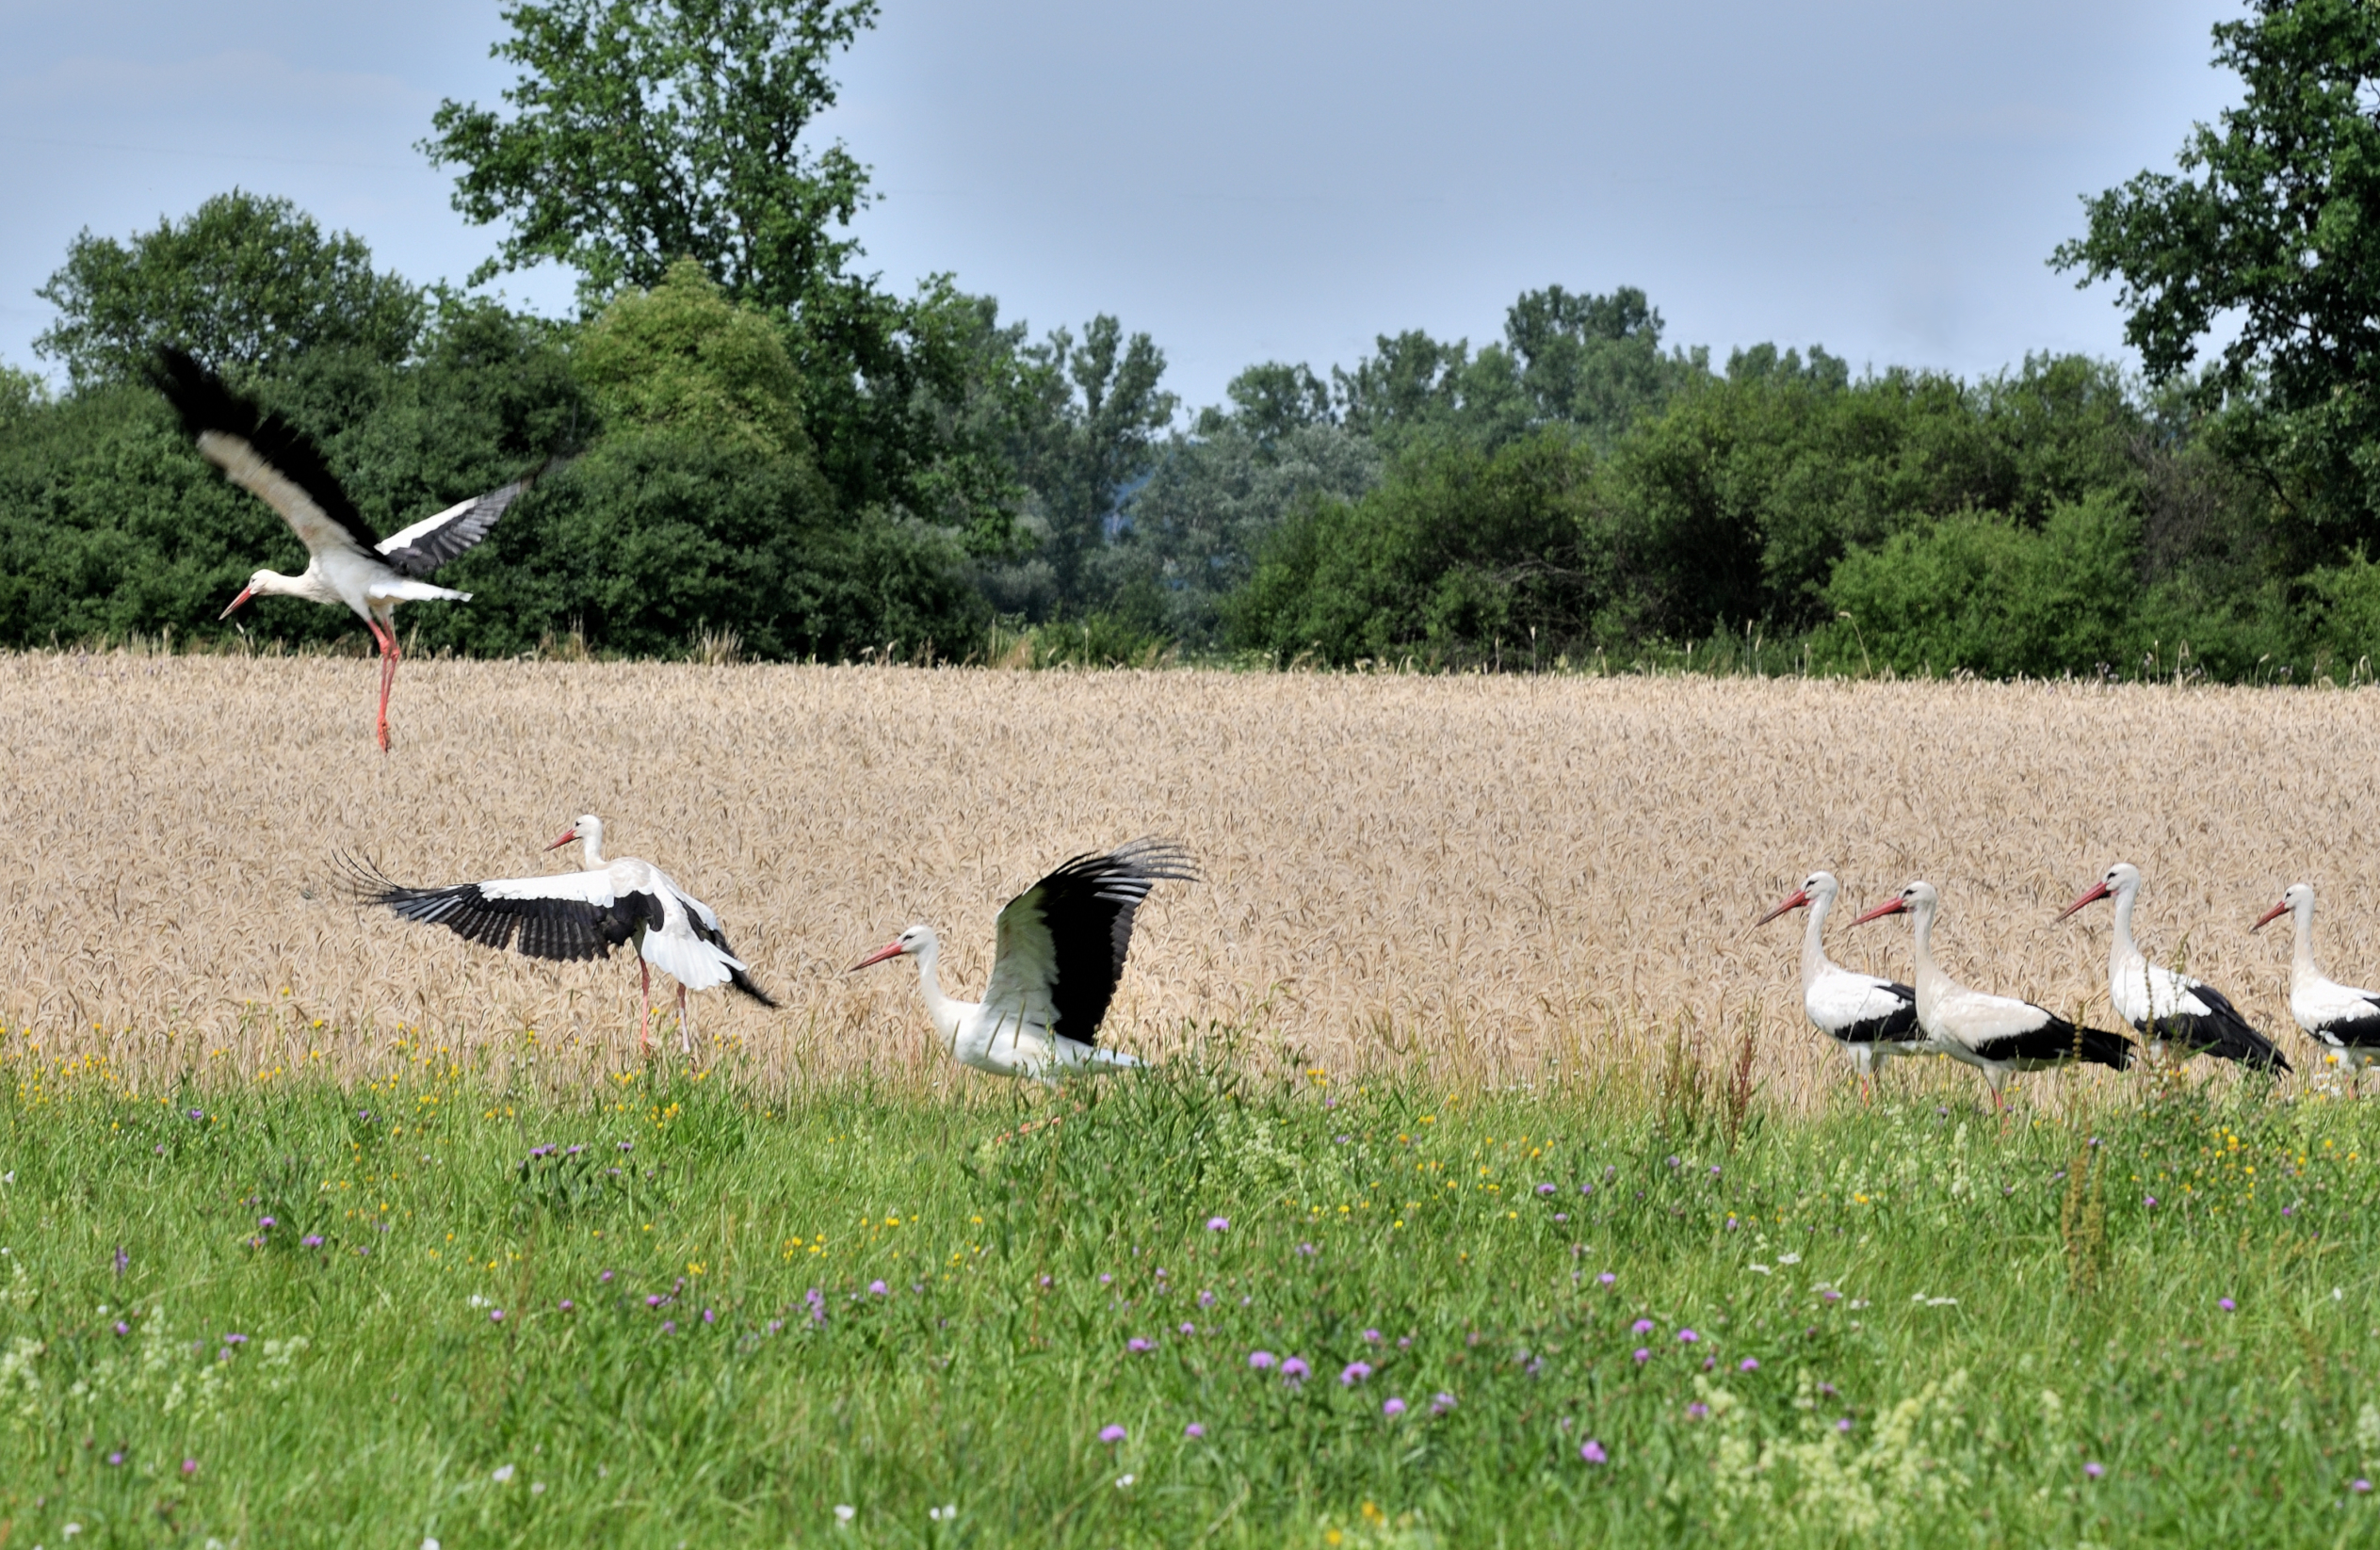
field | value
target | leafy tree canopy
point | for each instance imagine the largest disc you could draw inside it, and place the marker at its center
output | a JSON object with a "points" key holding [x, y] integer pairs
{"points": [[2273, 223], [682, 360], [647, 131], [245, 281]]}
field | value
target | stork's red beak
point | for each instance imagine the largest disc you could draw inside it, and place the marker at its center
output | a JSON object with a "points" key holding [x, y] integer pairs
{"points": [[2269, 917], [1801, 896], [245, 593], [890, 949], [568, 834], [1892, 906], [2095, 895]]}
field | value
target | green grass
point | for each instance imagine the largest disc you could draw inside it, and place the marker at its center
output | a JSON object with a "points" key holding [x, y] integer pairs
{"points": [[663, 1374]]}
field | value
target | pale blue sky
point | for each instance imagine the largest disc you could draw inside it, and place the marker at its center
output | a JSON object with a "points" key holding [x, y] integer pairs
{"points": [[1251, 181]]}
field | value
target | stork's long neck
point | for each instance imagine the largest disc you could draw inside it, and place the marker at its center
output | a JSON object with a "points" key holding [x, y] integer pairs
{"points": [[311, 584], [941, 1011], [1814, 964], [590, 836], [1932, 982], [2123, 953], [2302, 967]]}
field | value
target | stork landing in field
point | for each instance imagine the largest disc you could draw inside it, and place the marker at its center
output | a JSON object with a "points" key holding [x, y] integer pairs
{"points": [[2341, 1018], [2175, 1015], [1872, 1019], [1058, 955], [570, 916], [272, 459], [1998, 1035]]}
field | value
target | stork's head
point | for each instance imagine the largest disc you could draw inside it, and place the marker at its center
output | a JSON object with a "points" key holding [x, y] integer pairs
{"points": [[261, 582], [1816, 888], [2297, 895], [1918, 899], [588, 828], [917, 939], [2121, 878]]}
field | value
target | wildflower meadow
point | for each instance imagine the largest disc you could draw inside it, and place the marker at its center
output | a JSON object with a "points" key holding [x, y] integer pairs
{"points": [[1188, 1307]]}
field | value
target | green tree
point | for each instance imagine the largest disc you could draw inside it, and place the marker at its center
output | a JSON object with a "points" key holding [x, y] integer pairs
{"points": [[245, 281], [647, 131], [682, 360], [2273, 225]]}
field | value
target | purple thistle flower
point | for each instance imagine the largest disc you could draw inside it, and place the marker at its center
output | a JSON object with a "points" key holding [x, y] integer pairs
{"points": [[1188, 1330], [2225, 1303], [1643, 1356], [1831, 1295], [236, 1340], [1592, 1451], [1563, 1216], [567, 1305], [1749, 1363], [669, 1326], [1687, 1337], [1137, 1344], [1307, 1250], [122, 1328], [2359, 1486], [1205, 1300], [189, 1466], [1105, 1278], [708, 1317], [1643, 1326], [1193, 1429], [1606, 1279], [1545, 1188], [312, 1240], [1261, 1359], [1843, 1425], [2151, 1203], [115, 1459], [605, 1277], [1441, 1402], [1295, 1370], [1112, 1435], [266, 1222], [1371, 1337], [2093, 1470], [1354, 1373], [495, 1316], [198, 1114], [876, 1288], [1392, 1406], [1219, 1224], [1696, 1411], [775, 1325], [655, 1301]]}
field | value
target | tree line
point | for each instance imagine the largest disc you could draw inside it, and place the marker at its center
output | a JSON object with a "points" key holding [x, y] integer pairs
{"points": [[770, 449]]}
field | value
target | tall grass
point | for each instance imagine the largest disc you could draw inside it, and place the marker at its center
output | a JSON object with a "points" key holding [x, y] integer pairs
{"points": [[675, 1309]]}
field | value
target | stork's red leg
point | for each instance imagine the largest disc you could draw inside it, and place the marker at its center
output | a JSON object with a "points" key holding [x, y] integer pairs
{"points": [[685, 1034], [390, 656], [644, 1034]]}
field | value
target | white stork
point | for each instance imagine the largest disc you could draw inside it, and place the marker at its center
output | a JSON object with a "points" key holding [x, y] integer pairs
{"points": [[1059, 952], [2342, 1018], [576, 915], [273, 459], [2174, 1013], [1872, 1019], [1996, 1034]]}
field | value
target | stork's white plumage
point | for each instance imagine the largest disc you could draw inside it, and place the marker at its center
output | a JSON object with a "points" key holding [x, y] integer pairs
{"points": [[2342, 1018], [272, 459], [1998, 1035], [2174, 1014], [1059, 953], [1872, 1019], [576, 916]]}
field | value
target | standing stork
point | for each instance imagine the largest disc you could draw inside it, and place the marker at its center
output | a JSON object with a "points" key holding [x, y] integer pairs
{"points": [[571, 916], [2342, 1018], [274, 460], [1998, 1035], [2173, 1013], [1872, 1019], [1059, 953]]}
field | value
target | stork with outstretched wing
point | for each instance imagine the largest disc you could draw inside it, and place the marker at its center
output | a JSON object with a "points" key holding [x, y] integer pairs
{"points": [[1060, 951], [273, 459]]}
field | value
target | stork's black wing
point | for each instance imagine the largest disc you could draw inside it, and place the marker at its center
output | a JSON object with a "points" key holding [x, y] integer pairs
{"points": [[569, 917], [2057, 1040], [417, 550], [1062, 942], [2221, 1032], [705, 922], [261, 453]]}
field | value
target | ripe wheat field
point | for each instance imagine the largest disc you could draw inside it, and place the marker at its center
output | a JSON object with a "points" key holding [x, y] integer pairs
{"points": [[1476, 879]]}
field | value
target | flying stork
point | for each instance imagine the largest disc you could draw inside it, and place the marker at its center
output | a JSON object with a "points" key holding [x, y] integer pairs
{"points": [[1058, 954], [2171, 1011], [1872, 1019], [1996, 1034], [570, 916], [274, 460], [2340, 1017]]}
